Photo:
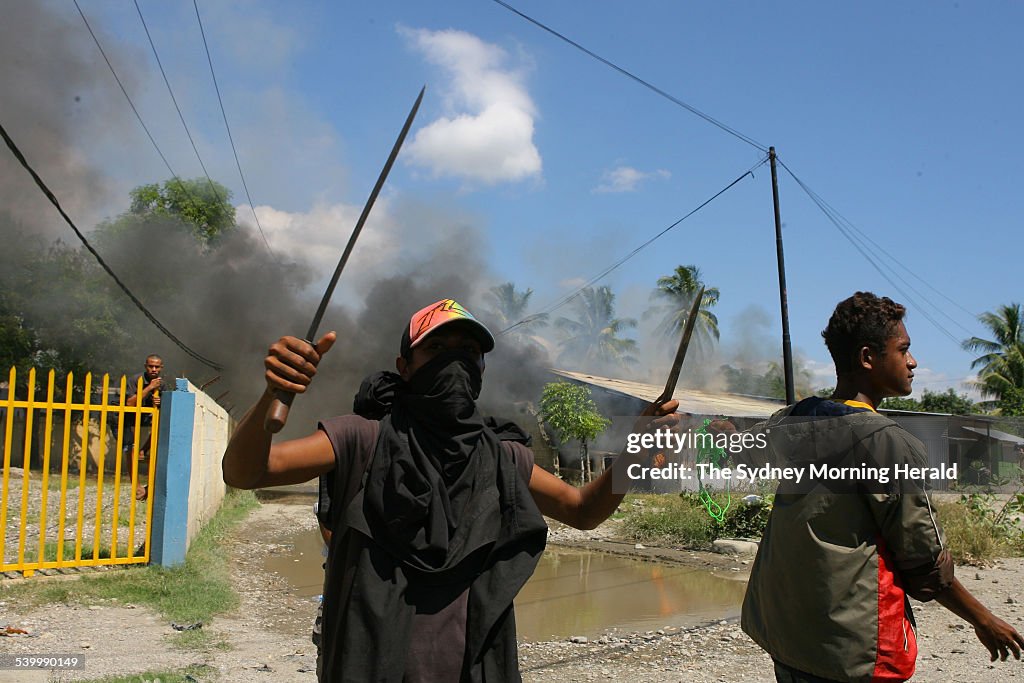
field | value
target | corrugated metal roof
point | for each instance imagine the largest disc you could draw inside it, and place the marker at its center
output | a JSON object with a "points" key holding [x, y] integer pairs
{"points": [[996, 434], [690, 400]]}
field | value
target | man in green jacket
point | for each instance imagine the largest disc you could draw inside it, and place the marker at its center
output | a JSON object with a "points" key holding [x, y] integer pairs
{"points": [[846, 545]]}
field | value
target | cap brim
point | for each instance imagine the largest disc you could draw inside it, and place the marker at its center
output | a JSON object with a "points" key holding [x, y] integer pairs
{"points": [[480, 332]]}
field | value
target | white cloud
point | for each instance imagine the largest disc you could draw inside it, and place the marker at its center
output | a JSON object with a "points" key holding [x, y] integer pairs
{"points": [[319, 236], [488, 135], [626, 179]]}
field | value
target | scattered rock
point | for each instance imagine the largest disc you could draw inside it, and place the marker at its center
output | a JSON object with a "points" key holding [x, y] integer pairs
{"points": [[728, 546], [187, 627]]}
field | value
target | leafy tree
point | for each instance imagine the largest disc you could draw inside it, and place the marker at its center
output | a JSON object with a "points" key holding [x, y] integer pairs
{"points": [[571, 412], [56, 308], [946, 402], [901, 403], [509, 307], [593, 335], [675, 293], [1011, 403], [59, 310], [203, 205], [771, 383], [933, 402], [1001, 376]]}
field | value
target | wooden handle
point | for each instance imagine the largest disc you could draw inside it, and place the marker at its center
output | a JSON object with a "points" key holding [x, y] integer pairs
{"points": [[277, 413]]}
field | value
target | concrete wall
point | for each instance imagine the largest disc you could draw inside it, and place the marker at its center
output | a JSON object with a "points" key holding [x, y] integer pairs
{"points": [[209, 439], [189, 488]]}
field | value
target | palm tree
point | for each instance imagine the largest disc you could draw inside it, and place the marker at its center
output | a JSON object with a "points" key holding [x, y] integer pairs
{"points": [[508, 307], [593, 335], [1002, 364], [675, 293]]}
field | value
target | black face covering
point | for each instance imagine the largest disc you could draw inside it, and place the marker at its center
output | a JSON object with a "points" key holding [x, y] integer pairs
{"points": [[448, 375], [441, 510], [438, 407]]}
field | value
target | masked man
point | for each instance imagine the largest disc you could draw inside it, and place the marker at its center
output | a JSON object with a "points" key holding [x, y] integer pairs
{"points": [[435, 510]]}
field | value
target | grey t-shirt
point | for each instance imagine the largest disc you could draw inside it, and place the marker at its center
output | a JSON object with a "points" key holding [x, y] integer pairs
{"points": [[438, 639]]}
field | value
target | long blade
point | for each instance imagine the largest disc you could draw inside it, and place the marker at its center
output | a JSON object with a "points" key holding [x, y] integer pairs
{"points": [[277, 413], [684, 343], [315, 325]]}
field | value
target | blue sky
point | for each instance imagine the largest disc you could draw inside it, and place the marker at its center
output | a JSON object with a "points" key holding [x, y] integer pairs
{"points": [[904, 117]]}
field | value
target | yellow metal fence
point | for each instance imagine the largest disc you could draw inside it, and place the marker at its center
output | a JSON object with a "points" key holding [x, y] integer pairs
{"points": [[54, 512]]}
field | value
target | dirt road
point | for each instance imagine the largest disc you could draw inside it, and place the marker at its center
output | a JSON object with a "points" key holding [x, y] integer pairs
{"points": [[267, 637]]}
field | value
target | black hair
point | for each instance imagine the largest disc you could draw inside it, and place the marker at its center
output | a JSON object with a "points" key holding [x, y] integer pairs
{"points": [[861, 320]]}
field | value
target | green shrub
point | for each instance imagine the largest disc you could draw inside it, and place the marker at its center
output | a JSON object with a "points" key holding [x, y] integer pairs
{"points": [[978, 529], [684, 520], [668, 519], [745, 521]]}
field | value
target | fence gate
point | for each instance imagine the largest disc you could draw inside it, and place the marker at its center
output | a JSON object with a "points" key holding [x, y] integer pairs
{"points": [[74, 461]]}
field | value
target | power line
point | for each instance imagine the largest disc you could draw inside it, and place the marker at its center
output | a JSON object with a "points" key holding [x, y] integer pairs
{"points": [[896, 261], [181, 116], [569, 297], [228, 127], [836, 219], [145, 311], [127, 96], [138, 116], [834, 216], [846, 228], [650, 86]]}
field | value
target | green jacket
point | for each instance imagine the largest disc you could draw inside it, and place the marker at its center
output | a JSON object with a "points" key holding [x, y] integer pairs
{"points": [[828, 589]]}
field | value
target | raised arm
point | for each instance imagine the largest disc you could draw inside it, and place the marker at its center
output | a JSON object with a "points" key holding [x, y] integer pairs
{"points": [[147, 389], [252, 459], [588, 506]]}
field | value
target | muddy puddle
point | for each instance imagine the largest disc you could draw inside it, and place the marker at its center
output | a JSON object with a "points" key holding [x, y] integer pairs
{"points": [[585, 593], [572, 593]]}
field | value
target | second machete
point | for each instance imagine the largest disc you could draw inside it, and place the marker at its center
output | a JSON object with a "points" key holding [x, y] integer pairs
{"points": [[677, 364]]}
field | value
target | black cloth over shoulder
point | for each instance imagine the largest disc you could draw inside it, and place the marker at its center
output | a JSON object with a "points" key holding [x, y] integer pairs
{"points": [[440, 510]]}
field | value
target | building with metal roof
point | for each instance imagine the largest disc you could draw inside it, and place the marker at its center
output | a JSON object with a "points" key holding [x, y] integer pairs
{"points": [[690, 400]]}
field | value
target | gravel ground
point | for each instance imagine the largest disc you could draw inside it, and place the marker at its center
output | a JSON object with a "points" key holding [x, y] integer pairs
{"points": [[948, 648], [267, 638], [125, 500]]}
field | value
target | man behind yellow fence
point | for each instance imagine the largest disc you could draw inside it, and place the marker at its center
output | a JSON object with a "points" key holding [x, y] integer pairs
{"points": [[152, 384]]}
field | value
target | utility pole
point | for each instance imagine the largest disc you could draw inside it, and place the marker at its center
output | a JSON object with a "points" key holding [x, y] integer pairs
{"points": [[787, 349]]}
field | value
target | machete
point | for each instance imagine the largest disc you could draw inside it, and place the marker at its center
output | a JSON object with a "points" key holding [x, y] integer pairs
{"points": [[277, 413], [677, 364]]}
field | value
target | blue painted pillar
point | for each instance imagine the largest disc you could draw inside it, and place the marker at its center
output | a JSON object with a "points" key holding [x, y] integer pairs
{"points": [[169, 539]]}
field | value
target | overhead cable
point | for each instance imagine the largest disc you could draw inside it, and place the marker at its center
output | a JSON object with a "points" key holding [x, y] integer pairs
{"points": [[181, 116], [647, 84], [145, 311], [569, 297], [127, 96], [836, 219], [228, 127], [892, 258]]}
